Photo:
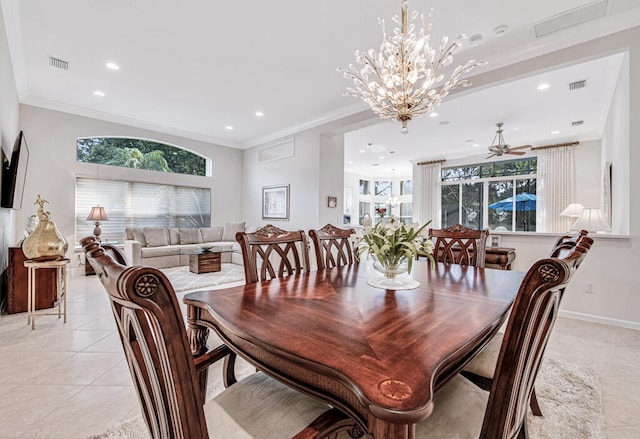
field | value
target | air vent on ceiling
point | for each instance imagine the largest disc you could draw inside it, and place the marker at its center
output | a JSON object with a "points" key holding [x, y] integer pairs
{"points": [[571, 18], [58, 63], [575, 123], [577, 85]]}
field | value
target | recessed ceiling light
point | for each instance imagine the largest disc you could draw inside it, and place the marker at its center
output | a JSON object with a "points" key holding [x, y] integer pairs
{"points": [[362, 151], [112, 66], [98, 93], [445, 122], [349, 163], [515, 129], [543, 86], [555, 132], [381, 157], [469, 140], [500, 30], [433, 114], [259, 114], [475, 145], [229, 127]]}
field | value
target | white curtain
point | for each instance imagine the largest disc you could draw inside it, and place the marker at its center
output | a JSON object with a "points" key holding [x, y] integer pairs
{"points": [[555, 188], [426, 197]]}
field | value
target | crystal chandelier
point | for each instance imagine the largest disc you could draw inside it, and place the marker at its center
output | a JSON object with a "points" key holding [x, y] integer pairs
{"points": [[403, 79]]}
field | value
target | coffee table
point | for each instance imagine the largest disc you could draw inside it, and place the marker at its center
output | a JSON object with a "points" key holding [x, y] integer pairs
{"points": [[206, 260]]}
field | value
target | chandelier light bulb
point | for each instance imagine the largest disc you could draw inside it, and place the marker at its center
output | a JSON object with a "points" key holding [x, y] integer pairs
{"points": [[403, 79]]}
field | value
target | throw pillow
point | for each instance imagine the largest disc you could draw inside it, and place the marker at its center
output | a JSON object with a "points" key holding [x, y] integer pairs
{"points": [[211, 234], [189, 236], [156, 236], [230, 230], [138, 235], [128, 233]]}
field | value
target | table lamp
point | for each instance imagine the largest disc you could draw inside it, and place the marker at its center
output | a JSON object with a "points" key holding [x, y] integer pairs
{"points": [[591, 220], [96, 215], [573, 210]]}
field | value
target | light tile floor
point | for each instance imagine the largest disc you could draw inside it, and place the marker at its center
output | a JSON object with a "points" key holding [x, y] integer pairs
{"points": [[68, 381]]}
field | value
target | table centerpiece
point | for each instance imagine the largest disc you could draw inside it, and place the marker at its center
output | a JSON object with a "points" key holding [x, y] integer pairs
{"points": [[394, 246]]}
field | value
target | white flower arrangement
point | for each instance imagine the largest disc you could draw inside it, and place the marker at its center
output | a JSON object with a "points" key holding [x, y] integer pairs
{"points": [[393, 241]]}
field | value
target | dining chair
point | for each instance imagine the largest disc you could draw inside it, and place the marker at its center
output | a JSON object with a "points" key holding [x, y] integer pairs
{"points": [[459, 245], [461, 409], [333, 246], [481, 369], [273, 252], [168, 378]]}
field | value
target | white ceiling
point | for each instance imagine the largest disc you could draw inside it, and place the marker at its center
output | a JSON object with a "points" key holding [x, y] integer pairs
{"points": [[192, 68]]}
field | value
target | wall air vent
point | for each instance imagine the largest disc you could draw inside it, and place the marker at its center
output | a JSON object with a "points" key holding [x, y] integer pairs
{"points": [[576, 123], [571, 18], [577, 85], [58, 63]]}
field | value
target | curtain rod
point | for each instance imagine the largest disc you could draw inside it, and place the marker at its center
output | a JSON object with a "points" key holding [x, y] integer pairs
{"points": [[431, 162], [555, 145]]}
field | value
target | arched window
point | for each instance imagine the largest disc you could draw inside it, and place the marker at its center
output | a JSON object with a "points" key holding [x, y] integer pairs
{"points": [[141, 154]]}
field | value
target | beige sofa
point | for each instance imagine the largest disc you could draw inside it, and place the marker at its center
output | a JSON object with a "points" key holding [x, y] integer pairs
{"points": [[164, 247]]}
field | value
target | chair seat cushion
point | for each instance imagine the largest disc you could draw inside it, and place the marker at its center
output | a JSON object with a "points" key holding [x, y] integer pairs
{"points": [[458, 412], [484, 364], [260, 407]]}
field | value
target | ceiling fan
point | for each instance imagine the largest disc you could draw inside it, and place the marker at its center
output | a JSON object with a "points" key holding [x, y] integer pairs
{"points": [[500, 148]]}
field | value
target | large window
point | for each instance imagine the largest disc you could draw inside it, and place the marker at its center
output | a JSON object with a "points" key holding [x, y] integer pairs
{"points": [[140, 154], [133, 204], [499, 196]]}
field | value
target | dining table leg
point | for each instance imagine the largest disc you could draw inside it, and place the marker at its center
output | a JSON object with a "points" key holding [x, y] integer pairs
{"points": [[380, 429], [198, 335]]}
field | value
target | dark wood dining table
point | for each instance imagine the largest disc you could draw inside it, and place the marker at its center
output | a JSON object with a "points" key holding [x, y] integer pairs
{"points": [[378, 355]]}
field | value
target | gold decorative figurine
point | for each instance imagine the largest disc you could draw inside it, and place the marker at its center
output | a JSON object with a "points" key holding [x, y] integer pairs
{"points": [[45, 243]]}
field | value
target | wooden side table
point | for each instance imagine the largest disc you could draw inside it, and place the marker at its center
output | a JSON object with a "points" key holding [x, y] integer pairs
{"points": [[501, 256], [61, 287], [204, 261]]}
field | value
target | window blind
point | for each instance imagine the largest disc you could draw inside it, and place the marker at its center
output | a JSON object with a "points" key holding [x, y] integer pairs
{"points": [[134, 204]]}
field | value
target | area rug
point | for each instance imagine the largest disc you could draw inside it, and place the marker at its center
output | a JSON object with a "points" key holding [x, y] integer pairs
{"points": [[183, 280], [570, 397]]}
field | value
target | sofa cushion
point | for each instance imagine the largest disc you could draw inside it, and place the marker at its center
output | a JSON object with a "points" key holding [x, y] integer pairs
{"points": [[128, 233], [174, 236], [230, 230], [189, 236], [211, 234], [138, 235], [165, 250], [156, 236]]}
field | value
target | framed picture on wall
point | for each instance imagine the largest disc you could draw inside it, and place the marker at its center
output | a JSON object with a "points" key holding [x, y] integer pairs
{"points": [[332, 201], [275, 202]]}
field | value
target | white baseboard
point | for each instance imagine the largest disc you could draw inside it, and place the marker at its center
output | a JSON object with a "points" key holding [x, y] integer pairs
{"points": [[599, 319]]}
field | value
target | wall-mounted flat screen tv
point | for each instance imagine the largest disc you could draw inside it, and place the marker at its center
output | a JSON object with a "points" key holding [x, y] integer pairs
{"points": [[14, 172]]}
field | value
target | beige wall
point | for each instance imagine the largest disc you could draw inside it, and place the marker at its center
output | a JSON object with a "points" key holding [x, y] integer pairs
{"points": [[52, 171], [8, 133]]}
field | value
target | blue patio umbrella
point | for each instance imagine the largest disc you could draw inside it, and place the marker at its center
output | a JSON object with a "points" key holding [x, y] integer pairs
{"points": [[524, 202]]}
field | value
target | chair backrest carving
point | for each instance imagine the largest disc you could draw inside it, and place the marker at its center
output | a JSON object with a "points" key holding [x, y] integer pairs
{"points": [[333, 246], [273, 252], [154, 338], [566, 243], [534, 312], [459, 245]]}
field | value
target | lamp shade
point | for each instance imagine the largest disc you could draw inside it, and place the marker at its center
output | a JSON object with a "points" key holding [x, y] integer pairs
{"points": [[573, 210], [591, 220], [97, 214]]}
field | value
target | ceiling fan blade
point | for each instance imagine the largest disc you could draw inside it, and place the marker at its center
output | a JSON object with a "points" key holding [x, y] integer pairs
{"points": [[519, 147], [489, 156], [516, 152]]}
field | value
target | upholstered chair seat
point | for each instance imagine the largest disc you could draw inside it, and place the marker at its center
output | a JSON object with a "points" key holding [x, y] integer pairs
{"points": [[260, 407]]}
